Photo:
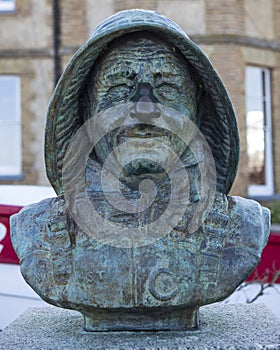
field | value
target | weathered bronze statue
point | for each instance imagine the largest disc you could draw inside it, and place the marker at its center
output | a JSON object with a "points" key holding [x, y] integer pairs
{"points": [[142, 149]]}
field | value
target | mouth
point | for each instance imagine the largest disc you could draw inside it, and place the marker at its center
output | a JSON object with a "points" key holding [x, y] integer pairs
{"points": [[142, 131]]}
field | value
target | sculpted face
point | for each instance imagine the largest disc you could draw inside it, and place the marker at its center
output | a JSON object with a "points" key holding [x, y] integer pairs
{"points": [[146, 74]]}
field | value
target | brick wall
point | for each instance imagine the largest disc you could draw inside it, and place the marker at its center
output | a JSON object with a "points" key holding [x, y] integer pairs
{"points": [[36, 85], [73, 23], [27, 44], [276, 101], [276, 123], [131, 4], [30, 26], [276, 12], [225, 17]]}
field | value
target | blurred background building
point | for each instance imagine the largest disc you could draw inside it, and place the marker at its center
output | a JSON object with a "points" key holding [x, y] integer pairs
{"points": [[241, 38]]}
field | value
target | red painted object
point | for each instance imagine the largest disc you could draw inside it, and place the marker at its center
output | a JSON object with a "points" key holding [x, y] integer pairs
{"points": [[7, 253], [268, 269], [12, 199]]}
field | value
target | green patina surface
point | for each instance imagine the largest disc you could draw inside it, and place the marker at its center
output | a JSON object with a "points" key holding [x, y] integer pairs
{"points": [[98, 247]]}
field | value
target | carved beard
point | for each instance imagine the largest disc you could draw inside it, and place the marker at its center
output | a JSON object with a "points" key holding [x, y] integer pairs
{"points": [[141, 151]]}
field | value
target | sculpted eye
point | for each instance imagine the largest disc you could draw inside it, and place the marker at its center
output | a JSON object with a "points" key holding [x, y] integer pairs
{"points": [[168, 91], [119, 91]]}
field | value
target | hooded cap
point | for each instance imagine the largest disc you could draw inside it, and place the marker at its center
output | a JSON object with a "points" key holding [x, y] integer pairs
{"points": [[217, 118]]}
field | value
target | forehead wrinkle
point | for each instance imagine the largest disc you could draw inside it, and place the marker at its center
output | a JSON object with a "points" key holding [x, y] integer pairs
{"points": [[141, 49], [112, 70], [131, 54], [158, 57]]}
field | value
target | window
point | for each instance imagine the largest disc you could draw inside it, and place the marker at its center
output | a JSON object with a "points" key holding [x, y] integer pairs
{"points": [[7, 5], [259, 140], [10, 127]]}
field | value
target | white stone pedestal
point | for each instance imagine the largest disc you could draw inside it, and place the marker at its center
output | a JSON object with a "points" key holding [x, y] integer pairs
{"points": [[227, 327]]}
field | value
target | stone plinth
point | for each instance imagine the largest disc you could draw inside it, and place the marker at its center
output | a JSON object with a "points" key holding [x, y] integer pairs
{"points": [[228, 327]]}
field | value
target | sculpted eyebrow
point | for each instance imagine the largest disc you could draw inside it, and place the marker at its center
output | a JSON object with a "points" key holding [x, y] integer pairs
{"points": [[121, 71], [171, 71], [114, 75], [173, 77]]}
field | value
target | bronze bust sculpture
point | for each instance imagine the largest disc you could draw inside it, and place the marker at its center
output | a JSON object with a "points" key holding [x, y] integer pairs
{"points": [[142, 149]]}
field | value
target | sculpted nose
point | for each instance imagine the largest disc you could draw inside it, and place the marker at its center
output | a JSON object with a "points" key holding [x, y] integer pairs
{"points": [[145, 108]]}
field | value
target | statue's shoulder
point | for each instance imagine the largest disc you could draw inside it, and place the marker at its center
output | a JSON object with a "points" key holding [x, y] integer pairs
{"points": [[42, 209], [32, 214], [249, 210], [250, 219], [29, 226]]}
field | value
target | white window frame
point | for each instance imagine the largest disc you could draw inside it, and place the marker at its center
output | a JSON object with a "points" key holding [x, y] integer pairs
{"points": [[266, 189], [7, 6], [14, 171]]}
